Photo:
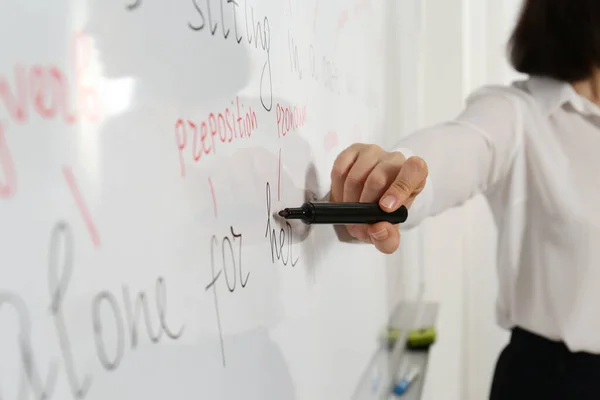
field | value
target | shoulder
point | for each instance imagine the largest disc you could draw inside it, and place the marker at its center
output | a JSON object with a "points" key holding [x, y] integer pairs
{"points": [[517, 93], [516, 103], [500, 104], [535, 93]]}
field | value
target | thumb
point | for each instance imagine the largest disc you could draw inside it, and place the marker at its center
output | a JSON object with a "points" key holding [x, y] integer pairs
{"points": [[409, 180]]}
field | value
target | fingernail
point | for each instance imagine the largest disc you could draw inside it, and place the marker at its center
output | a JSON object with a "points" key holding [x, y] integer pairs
{"points": [[379, 235], [389, 201]]}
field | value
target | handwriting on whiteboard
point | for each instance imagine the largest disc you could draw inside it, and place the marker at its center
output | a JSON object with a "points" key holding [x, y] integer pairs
{"points": [[281, 241], [258, 31], [322, 70], [289, 118], [45, 90], [125, 320], [342, 21], [81, 205], [8, 177], [200, 139], [361, 7], [127, 314], [133, 5], [295, 65], [358, 8], [231, 257]]}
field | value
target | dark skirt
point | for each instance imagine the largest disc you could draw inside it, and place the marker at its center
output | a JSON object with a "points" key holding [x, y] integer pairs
{"points": [[533, 367]]}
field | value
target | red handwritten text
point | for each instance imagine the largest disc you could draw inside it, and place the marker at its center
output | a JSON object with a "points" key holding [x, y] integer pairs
{"points": [[81, 205], [224, 127], [46, 90], [361, 6], [289, 118], [279, 176], [214, 196], [343, 19], [8, 185]]}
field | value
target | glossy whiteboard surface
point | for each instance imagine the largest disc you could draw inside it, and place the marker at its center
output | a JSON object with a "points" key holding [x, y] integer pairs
{"points": [[144, 148]]}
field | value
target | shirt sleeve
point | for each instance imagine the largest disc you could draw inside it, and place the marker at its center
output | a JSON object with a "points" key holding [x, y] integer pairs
{"points": [[465, 156]]}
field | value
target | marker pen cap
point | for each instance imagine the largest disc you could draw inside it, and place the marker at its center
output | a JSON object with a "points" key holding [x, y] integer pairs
{"points": [[401, 387]]}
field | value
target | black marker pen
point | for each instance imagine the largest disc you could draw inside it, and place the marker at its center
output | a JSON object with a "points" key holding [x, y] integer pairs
{"points": [[343, 213]]}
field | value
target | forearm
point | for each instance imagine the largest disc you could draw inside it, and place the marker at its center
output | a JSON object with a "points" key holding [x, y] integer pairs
{"points": [[465, 156], [458, 160]]}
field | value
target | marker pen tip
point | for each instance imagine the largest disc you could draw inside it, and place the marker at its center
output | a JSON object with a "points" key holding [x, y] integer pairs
{"points": [[284, 213]]}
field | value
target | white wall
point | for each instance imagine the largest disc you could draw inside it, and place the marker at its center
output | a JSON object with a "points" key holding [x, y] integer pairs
{"points": [[462, 47], [442, 94]]}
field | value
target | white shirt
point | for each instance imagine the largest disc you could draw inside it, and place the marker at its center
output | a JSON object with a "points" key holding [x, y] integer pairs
{"points": [[533, 150]]}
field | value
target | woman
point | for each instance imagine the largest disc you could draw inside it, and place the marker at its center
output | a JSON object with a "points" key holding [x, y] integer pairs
{"points": [[533, 149]]}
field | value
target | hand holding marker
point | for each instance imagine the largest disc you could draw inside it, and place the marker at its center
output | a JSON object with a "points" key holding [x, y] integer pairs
{"points": [[366, 173]]}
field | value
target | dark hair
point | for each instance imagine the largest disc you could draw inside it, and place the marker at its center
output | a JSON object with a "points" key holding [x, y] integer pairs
{"points": [[559, 39]]}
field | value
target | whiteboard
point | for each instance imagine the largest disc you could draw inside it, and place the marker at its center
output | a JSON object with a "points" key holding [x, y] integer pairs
{"points": [[144, 148]]}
